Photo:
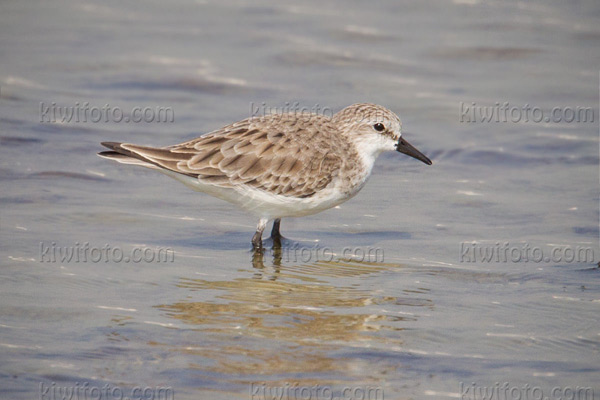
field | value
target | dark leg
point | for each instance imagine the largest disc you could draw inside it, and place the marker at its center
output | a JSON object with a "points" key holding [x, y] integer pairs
{"points": [[257, 238], [275, 231], [275, 235]]}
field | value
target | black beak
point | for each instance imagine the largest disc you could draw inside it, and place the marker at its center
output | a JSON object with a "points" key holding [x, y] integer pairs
{"points": [[404, 147]]}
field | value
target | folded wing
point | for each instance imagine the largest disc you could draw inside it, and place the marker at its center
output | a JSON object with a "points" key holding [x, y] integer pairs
{"points": [[280, 157]]}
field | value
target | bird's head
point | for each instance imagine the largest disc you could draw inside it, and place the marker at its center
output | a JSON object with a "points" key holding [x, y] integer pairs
{"points": [[375, 129]]}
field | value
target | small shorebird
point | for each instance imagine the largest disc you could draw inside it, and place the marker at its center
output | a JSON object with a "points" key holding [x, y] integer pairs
{"points": [[279, 165]]}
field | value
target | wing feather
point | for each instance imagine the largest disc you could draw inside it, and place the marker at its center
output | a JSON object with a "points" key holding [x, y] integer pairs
{"points": [[278, 154]]}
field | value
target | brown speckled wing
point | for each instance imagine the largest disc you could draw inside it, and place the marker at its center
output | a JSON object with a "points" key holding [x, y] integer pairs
{"points": [[280, 154]]}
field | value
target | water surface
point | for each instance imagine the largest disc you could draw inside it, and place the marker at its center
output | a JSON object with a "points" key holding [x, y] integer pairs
{"points": [[416, 319]]}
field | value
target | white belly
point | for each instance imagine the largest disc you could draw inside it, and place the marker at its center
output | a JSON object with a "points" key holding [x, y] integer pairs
{"points": [[270, 206]]}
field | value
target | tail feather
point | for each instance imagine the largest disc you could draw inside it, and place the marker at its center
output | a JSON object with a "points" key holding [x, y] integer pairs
{"points": [[111, 145], [150, 157], [124, 159], [116, 147]]}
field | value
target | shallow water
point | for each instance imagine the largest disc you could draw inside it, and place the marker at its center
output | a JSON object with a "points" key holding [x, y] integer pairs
{"points": [[382, 292]]}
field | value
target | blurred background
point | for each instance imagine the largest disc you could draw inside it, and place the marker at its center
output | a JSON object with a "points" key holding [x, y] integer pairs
{"points": [[428, 317]]}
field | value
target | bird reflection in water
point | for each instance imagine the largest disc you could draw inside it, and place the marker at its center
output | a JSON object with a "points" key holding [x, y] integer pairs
{"points": [[297, 314]]}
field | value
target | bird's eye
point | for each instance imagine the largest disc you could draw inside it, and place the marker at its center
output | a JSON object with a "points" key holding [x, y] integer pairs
{"points": [[378, 127]]}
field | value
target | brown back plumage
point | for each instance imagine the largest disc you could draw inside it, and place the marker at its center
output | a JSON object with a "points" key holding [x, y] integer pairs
{"points": [[283, 154]]}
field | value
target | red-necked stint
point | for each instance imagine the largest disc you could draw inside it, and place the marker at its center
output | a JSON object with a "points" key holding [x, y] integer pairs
{"points": [[280, 165]]}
